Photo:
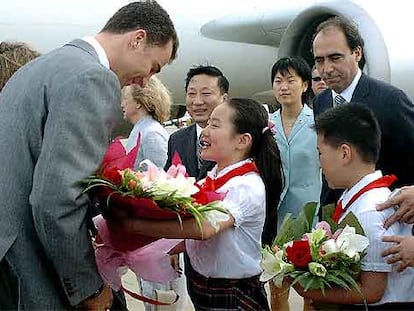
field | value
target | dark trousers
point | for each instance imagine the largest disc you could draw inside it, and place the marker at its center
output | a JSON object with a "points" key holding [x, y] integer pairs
{"points": [[9, 294]]}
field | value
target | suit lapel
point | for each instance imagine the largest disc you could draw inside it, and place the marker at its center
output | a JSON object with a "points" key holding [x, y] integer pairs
{"points": [[323, 102], [362, 90], [189, 143]]}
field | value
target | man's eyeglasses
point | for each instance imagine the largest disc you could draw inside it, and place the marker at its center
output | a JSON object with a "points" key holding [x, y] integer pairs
{"points": [[316, 79]]}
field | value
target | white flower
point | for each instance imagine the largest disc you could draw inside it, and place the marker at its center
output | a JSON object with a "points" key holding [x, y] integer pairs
{"points": [[274, 267], [316, 236], [330, 247], [214, 217], [317, 269], [181, 185], [351, 243]]}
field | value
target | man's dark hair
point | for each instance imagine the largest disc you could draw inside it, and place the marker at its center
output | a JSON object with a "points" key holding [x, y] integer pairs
{"points": [[349, 29], [208, 70], [352, 124], [147, 15], [302, 69]]}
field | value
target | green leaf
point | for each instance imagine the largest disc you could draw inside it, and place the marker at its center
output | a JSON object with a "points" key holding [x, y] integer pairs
{"points": [[303, 223], [294, 228], [327, 212], [351, 220], [330, 277]]}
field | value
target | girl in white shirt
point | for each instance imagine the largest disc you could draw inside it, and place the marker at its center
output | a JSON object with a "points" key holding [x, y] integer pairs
{"points": [[224, 270]]}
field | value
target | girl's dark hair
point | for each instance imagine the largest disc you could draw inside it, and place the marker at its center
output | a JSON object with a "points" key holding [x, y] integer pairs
{"points": [[251, 117], [302, 69]]}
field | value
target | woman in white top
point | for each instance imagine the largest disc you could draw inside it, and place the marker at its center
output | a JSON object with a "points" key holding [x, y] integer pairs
{"points": [[147, 108], [225, 263]]}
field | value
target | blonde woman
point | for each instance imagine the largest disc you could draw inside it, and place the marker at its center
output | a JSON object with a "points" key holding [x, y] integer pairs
{"points": [[13, 55], [147, 108]]}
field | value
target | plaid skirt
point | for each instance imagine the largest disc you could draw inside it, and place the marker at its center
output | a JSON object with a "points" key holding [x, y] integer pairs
{"points": [[216, 294]]}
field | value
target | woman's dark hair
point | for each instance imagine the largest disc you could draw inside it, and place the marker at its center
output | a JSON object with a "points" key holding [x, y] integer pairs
{"points": [[302, 69], [251, 117]]}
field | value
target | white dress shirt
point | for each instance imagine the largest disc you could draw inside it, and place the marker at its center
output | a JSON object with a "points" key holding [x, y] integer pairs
{"points": [[236, 252], [400, 285], [103, 58], [349, 91]]}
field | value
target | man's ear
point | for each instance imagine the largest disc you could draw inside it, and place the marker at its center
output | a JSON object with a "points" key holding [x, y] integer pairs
{"points": [[358, 53], [138, 37], [225, 97]]}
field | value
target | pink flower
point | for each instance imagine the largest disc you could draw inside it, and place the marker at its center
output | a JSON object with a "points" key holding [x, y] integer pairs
{"points": [[325, 227]]}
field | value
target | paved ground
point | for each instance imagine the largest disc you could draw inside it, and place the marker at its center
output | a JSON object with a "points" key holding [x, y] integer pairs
{"points": [[129, 281]]}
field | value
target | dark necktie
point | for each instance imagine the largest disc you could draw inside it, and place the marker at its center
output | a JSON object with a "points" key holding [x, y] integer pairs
{"points": [[200, 160], [339, 100]]}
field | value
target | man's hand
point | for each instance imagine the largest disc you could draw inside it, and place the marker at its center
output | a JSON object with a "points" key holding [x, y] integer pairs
{"points": [[101, 302], [401, 253], [405, 212]]}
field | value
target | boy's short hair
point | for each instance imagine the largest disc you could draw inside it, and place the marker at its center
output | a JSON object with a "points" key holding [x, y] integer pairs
{"points": [[352, 124]]}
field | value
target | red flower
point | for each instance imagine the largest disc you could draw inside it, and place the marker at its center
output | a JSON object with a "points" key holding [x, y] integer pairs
{"points": [[113, 175], [299, 253]]}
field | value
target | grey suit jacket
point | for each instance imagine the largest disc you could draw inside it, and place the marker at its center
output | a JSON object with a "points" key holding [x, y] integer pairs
{"points": [[184, 142], [56, 114], [395, 114]]}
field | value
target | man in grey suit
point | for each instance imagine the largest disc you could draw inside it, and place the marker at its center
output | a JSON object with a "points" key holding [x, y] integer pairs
{"points": [[338, 50], [205, 87], [56, 116]]}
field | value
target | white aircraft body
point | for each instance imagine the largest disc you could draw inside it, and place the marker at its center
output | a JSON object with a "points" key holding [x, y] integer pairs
{"points": [[290, 25], [243, 38], [47, 24]]}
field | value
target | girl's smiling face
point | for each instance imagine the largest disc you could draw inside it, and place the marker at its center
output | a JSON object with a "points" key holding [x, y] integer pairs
{"points": [[220, 142]]}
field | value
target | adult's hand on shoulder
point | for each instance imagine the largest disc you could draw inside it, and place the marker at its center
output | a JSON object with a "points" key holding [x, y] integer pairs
{"points": [[102, 301], [402, 252], [405, 212]]}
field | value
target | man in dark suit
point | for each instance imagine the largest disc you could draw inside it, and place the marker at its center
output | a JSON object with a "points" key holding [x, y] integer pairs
{"points": [[338, 50], [206, 87], [56, 116]]}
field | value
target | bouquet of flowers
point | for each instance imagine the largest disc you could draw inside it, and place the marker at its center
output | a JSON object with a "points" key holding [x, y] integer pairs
{"points": [[330, 254], [149, 194], [146, 194]]}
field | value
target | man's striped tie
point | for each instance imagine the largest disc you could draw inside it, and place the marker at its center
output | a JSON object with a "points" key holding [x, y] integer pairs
{"points": [[200, 160], [339, 100]]}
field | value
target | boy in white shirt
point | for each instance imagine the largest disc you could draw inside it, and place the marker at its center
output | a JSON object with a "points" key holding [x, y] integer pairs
{"points": [[349, 141]]}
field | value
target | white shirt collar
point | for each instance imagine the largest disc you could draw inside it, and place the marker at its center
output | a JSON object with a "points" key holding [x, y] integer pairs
{"points": [[103, 58], [349, 193], [198, 130], [212, 173], [349, 91]]}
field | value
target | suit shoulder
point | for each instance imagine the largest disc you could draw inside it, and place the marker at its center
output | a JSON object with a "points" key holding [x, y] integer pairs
{"points": [[384, 88], [181, 133]]}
